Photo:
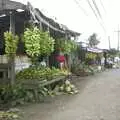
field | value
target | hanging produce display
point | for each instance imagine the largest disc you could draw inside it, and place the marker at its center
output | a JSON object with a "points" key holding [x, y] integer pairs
{"points": [[65, 46], [38, 42], [11, 42]]}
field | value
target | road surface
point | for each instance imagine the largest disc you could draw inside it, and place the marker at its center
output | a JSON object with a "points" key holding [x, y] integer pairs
{"points": [[98, 99]]}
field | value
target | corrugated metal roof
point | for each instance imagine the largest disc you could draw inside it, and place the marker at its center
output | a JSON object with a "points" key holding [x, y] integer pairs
{"points": [[8, 5], [95, 50]]}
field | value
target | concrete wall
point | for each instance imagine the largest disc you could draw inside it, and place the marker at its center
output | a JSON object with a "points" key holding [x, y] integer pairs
{"points": [[21, 62]]}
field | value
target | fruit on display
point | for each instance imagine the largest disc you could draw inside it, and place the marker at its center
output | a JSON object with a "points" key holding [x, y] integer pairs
{"points": [[38, 73], [67, 87]]}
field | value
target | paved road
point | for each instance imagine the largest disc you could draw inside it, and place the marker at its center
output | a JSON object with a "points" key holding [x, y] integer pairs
{"points": [[98, 99]]}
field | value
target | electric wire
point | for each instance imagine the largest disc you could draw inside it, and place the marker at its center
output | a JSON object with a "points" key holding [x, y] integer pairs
{"points": [[102, 5], [84, 11], [98, 11], [94, 12]]}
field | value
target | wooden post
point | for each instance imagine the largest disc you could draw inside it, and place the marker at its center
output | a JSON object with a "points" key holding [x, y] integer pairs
{"points": [[12, 58], [12, 22], [105, 61], [68, 56], [40, 25]]}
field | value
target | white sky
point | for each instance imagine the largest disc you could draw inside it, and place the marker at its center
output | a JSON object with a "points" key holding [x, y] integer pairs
{"points": [[84, 21]]}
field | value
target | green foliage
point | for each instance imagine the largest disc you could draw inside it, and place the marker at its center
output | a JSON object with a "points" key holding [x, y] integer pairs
{"points": [[93, 41], [12, 94], [90, 56], [66, 46], [27, 84], [82, 69], [9, 115], [112, 53], [38, 42], [18, 94], [11, 42]]}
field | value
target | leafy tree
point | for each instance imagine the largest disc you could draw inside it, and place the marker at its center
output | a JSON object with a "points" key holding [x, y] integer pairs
{"points": [[93, 41], [112, 52]]}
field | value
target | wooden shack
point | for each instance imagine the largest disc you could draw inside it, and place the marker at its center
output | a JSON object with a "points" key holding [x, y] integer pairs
{"points": [[14, 17]]}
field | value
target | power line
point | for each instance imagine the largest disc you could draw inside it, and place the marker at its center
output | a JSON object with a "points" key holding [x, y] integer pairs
{"points": [[102, 5], [92, 9], [98, 11], [81, 7], [96, 15]]}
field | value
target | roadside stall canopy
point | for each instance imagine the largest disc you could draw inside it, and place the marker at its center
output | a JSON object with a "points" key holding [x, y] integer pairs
{"points": [[95, 50]]}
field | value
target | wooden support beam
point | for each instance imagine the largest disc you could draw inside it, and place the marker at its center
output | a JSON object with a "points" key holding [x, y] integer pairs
{"points": [[12, 59], [12, 22]]}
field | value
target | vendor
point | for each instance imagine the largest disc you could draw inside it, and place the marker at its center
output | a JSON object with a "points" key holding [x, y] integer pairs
{"points": [[61, 60]]}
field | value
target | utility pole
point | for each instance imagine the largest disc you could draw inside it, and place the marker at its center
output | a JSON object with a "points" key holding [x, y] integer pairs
{"points": [[118, 31], [109, 42]]}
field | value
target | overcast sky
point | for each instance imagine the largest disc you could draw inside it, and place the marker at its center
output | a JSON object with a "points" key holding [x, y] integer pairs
{"points": [[79, 16]]}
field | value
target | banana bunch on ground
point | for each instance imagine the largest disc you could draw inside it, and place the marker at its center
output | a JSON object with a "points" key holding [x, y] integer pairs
{"points": [[37, 73], [65, 72], [67, 87]]}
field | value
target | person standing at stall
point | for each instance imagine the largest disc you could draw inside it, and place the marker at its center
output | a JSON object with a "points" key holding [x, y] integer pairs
{"points": [[61, 61]]}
